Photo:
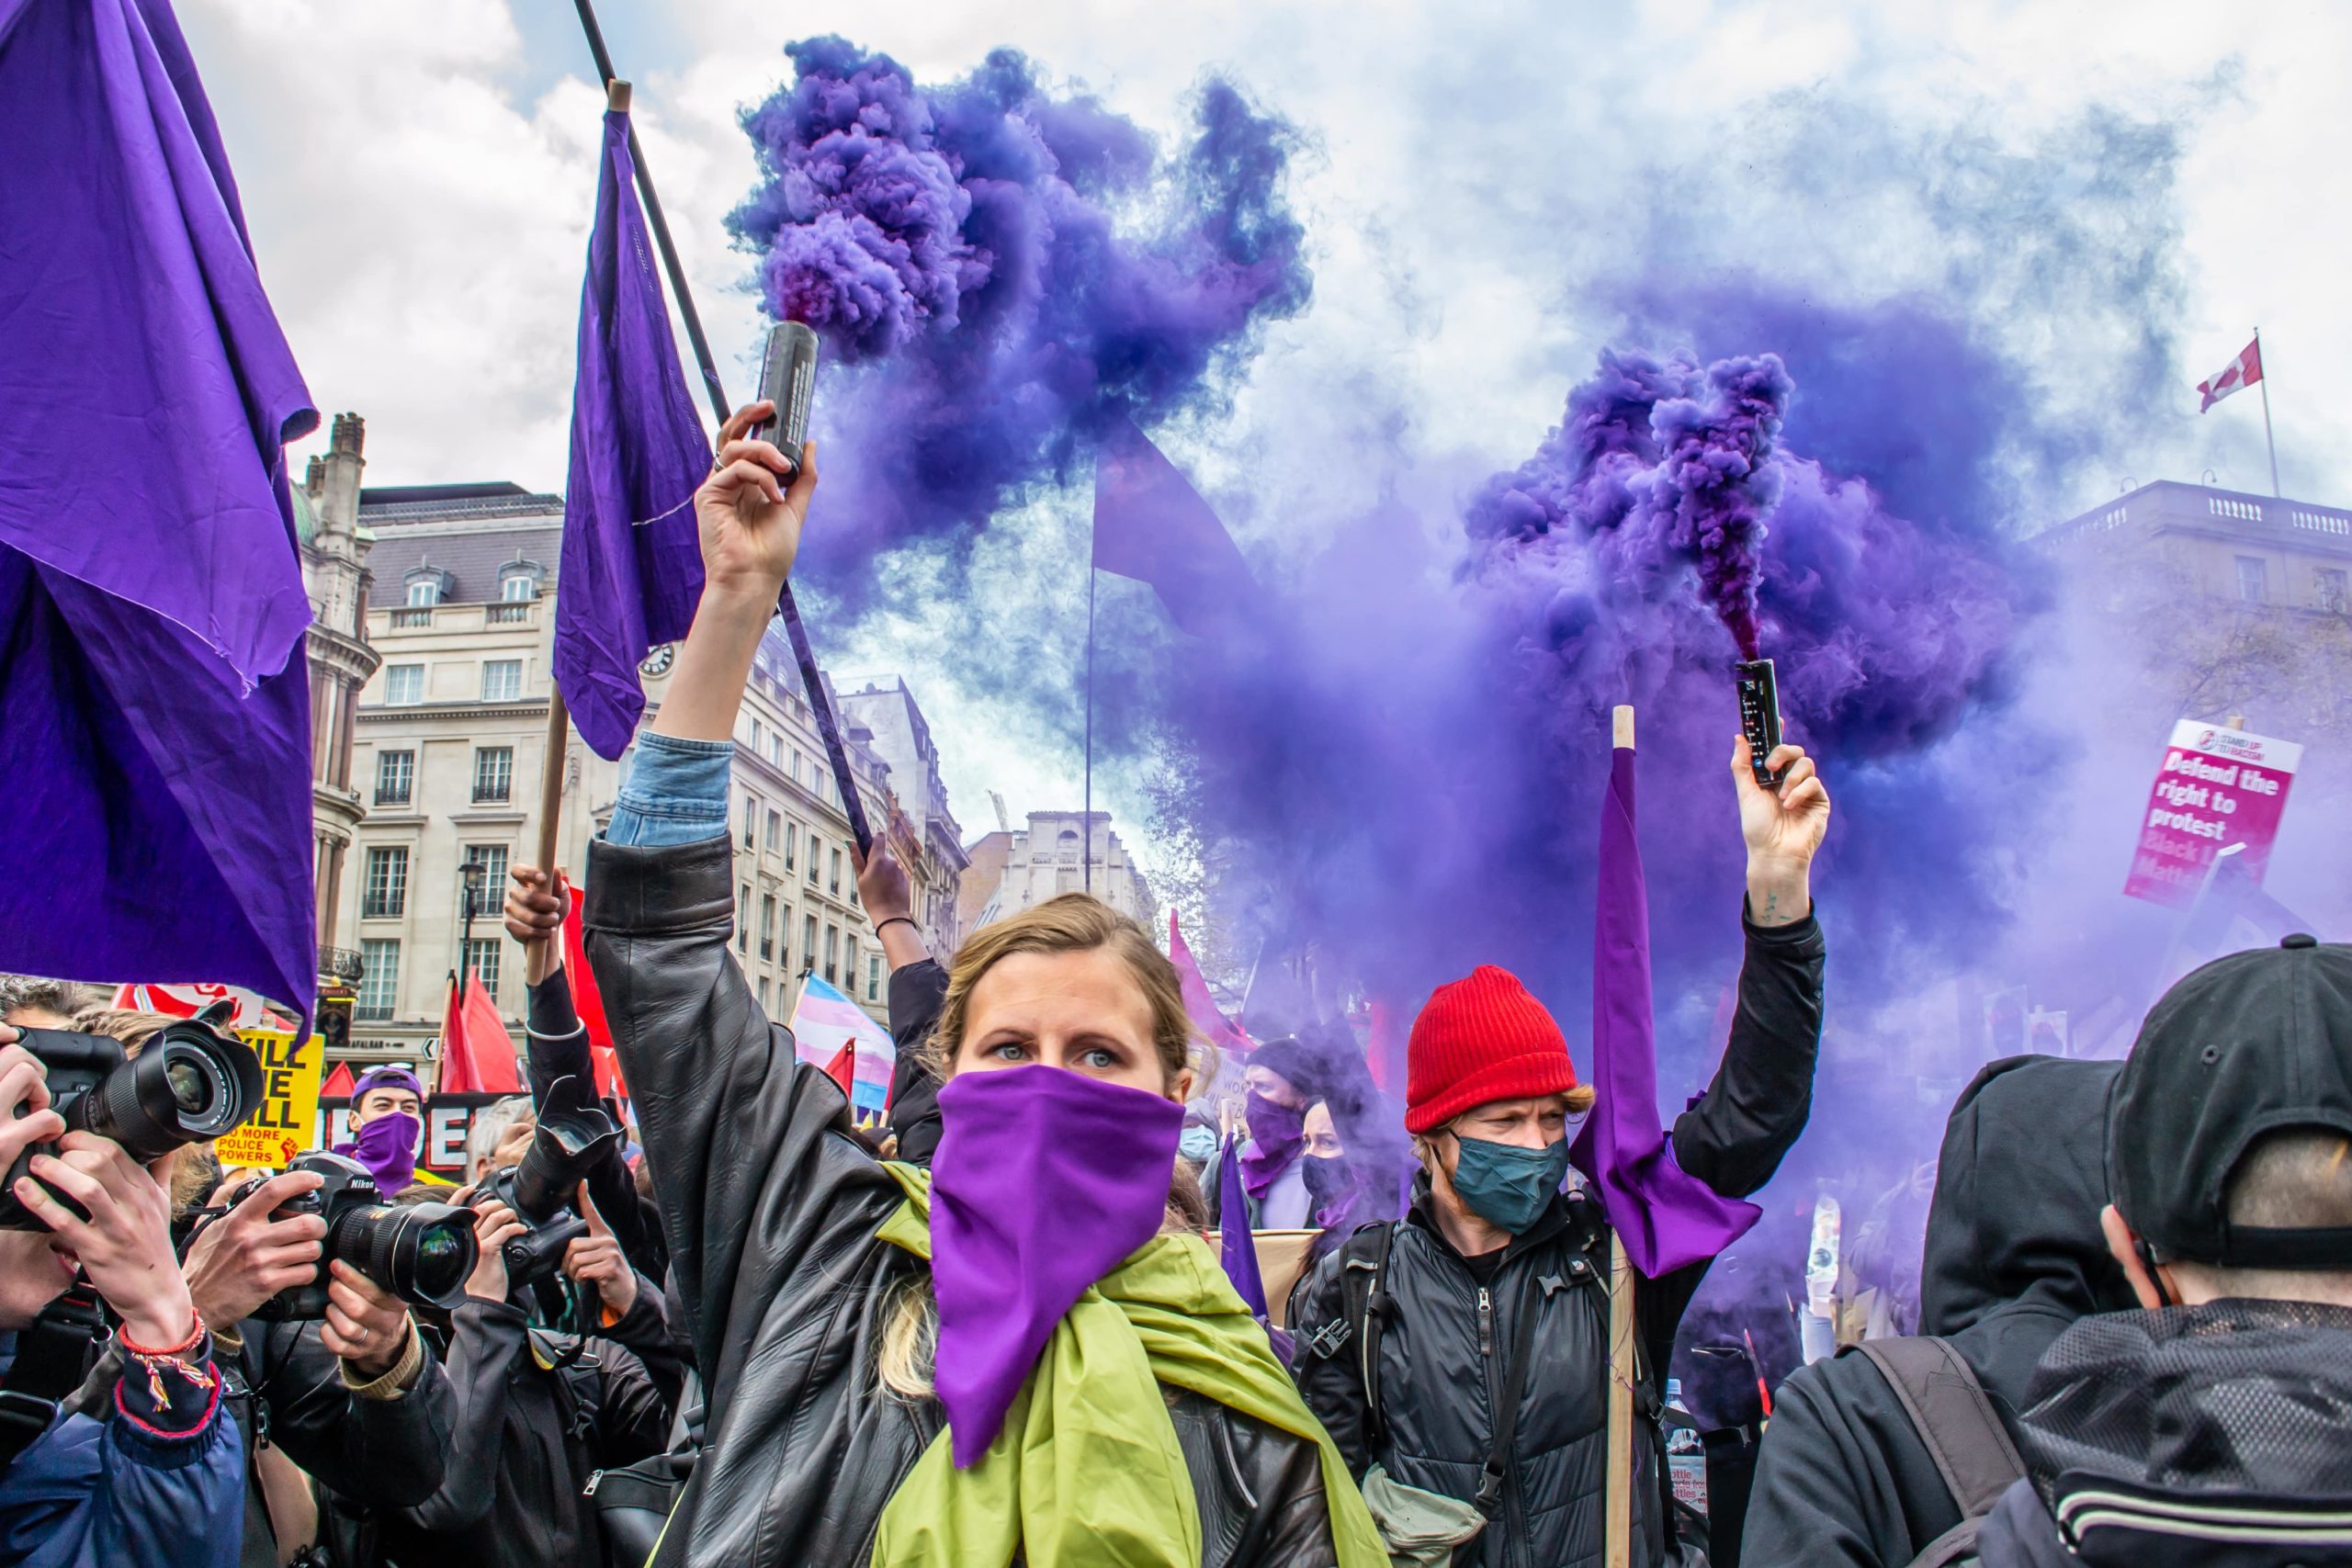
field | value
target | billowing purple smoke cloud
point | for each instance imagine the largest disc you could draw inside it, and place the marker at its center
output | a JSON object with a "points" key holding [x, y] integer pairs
{"points": [[998, 276]]}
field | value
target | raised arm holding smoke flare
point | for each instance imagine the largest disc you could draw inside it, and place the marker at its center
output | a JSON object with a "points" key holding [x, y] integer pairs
{"points": [[898, 1366], [1464, 1352]]}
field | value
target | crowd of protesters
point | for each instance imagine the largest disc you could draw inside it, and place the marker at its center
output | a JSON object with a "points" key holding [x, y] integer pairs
{"points": [[757, 1340]]}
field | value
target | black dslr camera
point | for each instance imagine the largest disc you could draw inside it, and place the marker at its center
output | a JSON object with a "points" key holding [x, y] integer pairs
{"points": [[190, 1083], [422, 1252], [573, 1134]]}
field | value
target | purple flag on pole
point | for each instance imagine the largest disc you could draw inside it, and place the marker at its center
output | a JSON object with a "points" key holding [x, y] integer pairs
{"points": [[1152, 525], [1667, 1218], [631, 568], [1237, 1248], [152, 685]]}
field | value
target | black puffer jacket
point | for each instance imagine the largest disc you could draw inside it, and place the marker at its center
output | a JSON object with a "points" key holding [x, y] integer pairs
{"points": [[1445, 1344], [771, 1212], [2014, 1255]]}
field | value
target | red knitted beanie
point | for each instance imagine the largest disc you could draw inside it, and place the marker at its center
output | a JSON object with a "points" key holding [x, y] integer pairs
{"points": [[1482, 1038]]}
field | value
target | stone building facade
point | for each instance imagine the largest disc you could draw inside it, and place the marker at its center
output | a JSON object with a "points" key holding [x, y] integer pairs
{"points": [[1048, 857]]}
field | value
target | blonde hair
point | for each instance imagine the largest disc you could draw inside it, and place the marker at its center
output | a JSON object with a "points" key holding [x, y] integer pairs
{"points": [[1072, 922]]}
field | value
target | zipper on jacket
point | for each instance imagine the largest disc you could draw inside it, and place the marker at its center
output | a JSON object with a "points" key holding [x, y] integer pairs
{"points": [[1486, 1323]]}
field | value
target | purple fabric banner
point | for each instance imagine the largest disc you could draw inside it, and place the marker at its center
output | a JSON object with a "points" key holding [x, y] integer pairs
{"points": [[631, 569], [1152, 525], [152, 685], [1044, 1182], [1236, 1248], [1667, 1219]]}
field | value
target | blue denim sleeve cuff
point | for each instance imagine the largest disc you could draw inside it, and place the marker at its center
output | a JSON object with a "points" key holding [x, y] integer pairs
{"points": [[676, 792]]}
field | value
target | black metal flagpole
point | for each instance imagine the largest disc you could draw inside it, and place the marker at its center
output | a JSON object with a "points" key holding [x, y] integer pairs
{"points": [[819, 702]]}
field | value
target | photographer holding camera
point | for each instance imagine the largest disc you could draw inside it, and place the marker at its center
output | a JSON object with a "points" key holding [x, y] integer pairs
{"points": [[538, 1412], [157, 1480]]}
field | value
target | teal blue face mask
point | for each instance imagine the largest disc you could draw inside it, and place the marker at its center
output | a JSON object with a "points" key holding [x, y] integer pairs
{"points": [[1505, 1185], [1198, 1145]]}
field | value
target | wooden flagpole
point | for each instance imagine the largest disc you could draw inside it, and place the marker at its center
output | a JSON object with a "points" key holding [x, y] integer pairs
{"points": [[1617, 1515]]}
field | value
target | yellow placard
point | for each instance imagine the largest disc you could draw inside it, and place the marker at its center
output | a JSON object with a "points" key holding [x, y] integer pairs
{"points": [[280, 1129]]}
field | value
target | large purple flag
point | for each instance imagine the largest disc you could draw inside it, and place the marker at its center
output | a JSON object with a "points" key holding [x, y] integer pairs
{"points": [[1237, 1246], [1152, 525], [1667, 1218], [632, 570], [152, 685]]}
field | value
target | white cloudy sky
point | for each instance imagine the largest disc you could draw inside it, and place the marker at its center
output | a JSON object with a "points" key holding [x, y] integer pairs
{"points": [[418, 175]]}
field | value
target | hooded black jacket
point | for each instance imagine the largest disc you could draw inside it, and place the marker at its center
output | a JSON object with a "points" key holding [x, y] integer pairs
{"points": [[1443, 1345], [771, 1210], [2207, 1437], [2014, 1255]]}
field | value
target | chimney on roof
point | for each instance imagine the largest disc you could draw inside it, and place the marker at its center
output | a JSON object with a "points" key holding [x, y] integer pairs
{"points": [[334, 481]]}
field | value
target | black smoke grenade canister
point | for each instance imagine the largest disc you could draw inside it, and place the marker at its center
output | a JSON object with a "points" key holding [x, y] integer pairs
{"points": [[788, 379], [1759, 715]]}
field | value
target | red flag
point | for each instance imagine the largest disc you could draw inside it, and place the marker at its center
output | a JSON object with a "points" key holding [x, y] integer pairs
{"points": [[843, 1068], [339, 1083], [1385, 1048], [1208, 1017], [589, 1003], [477, 1054], [2236, 377]]}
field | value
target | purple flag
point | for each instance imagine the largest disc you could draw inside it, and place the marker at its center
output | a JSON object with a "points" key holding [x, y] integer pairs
{"points": [[153, 683], [1236, 1248], [1152, 525], [1667, 1219], [631, 569]]}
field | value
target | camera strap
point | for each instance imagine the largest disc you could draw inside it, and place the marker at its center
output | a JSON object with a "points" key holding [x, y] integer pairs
{"points": [[51, 1357]]}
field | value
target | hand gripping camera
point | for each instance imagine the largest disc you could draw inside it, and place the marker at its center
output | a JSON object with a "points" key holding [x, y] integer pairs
{"points": [[573, 1134], [421, 1253], [190, 1083]]}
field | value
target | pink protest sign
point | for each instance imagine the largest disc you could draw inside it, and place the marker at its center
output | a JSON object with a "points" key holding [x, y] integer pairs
{"points": [[2218, 787]]}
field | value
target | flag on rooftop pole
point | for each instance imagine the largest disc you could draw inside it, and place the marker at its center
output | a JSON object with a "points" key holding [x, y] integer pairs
{"points": [[632, 566], [2236, 377], [1208, 1017], [835, 1034], [152, 682], [1666, 1218], [1152, 525]]}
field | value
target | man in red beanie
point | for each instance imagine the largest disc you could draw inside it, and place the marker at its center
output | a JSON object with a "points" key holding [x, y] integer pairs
{"points": [[1463, 1350]]}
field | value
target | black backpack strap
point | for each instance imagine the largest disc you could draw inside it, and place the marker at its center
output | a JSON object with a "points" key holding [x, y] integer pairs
{"points": [[1954, 1418], [1496, 1472], [51, 1357], [1364, 1278]]}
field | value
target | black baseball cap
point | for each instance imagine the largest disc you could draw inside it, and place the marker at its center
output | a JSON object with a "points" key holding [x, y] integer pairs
{"points": [[2256, 1043]]}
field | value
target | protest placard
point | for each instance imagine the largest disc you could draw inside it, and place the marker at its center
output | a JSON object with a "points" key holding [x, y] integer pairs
{"points": [[2218, 787], [280, 1129]]}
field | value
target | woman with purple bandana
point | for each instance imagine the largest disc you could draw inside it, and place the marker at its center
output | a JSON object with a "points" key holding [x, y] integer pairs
{"points": [[1020, 1355], [387, 1106]]}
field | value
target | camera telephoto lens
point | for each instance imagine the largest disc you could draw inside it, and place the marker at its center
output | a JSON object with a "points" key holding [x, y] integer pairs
{"points": [[189, 1084], [421, 1253]]}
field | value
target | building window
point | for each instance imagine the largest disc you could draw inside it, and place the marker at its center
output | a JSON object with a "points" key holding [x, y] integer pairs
{"points": [[2334, 590], [813, 857], [492, 888], [743, 918], [791, 844], [2254, 580], [395, 776], [832, 951], [481, 957], [518, 587], [384, 891], [380, 980], [423, 594], [837, 873], [1065, 880], [750, 814], [403, 683], [763, 993], [767, 926], [759, 736], [493, 773], [501, 680], [849, 961], [775, 830], [873, 976], [807, 942]]}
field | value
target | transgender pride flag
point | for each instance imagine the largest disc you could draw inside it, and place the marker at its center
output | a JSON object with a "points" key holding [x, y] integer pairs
{"points": [[835, 1036]]}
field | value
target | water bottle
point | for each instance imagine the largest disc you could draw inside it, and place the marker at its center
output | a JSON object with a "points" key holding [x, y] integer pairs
{"points": [[1686, 1456]]}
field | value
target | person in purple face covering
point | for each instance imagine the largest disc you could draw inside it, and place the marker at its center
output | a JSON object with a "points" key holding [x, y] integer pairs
{"points": [[1025, 1354], [387, 1109]]}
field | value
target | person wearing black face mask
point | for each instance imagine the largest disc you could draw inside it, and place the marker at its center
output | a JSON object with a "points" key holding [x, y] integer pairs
{"points": [[1337, 1194], [1462, 1352]]}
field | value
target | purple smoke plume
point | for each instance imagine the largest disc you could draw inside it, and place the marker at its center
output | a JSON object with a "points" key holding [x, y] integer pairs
{"points": [[999, 274]]}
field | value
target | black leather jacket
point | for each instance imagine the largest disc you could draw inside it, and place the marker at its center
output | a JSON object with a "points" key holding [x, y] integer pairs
{"points": [[1448, 1334], [770, 1210]]}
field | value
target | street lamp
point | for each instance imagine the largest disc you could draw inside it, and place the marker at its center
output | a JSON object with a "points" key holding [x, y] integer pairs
{"points": [[471, 870]]}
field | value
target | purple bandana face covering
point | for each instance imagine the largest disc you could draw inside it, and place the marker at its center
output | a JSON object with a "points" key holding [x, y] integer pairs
{"points": [[1044, 1182], [1276, 1135], [387, 1147]]}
